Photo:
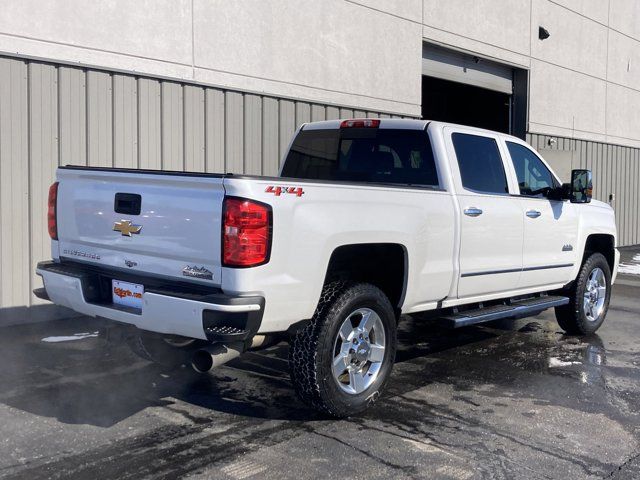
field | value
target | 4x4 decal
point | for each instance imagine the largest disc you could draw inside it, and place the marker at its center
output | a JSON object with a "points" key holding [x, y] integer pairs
{"points": [[277, 191]]}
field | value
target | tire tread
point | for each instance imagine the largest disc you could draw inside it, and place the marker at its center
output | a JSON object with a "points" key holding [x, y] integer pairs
{"points": [[305, 352], [570, 317]]}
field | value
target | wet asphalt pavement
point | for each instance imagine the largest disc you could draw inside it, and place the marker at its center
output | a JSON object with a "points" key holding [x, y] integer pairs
{"points": [[508, 400]]}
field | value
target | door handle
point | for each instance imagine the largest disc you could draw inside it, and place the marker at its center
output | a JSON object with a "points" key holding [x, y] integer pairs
{"points": [[472, 212], [533, 214]]}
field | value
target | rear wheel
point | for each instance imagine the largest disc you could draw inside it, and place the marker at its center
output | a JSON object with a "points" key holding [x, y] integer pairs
{"points": [[341, 361], [170, 351], [589, 298]]}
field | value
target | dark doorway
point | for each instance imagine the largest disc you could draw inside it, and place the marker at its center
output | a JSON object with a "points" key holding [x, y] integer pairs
{"points": [[454, 102]]}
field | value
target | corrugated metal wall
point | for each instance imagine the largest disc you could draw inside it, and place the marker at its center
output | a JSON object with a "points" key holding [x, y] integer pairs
{"points": [[616, 171], [54, 115]]}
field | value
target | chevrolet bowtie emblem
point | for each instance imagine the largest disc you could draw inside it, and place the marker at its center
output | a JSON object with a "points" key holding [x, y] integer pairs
{"points": [[126, 228]]}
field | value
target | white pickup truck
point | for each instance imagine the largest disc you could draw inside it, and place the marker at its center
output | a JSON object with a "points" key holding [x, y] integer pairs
{"points": [[369, 219]]}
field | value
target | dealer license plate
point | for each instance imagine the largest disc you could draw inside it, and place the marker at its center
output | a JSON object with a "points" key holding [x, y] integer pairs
{"points": [[127, 294]]}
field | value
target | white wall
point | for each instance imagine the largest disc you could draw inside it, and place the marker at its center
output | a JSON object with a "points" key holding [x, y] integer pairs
{"points": [[310, 49], [331, 51], [584, 79]]}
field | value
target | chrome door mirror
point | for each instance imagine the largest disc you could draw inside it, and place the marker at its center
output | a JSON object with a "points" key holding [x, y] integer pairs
{"points": [[581, 186]]}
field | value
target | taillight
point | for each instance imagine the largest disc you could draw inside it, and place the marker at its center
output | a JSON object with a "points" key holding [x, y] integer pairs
{"points": [[360, 123], [246, 232], [52, 214]]}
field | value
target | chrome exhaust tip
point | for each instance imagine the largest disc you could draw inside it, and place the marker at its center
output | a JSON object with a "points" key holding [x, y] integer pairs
{"points": [[215, 355]]}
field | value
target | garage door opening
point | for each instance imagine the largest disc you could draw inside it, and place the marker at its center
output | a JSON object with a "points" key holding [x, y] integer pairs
{"points": [[454, 102], [462, 88]]}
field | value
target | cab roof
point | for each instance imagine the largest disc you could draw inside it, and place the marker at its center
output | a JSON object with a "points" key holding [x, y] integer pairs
{"points": [[403, 123]]}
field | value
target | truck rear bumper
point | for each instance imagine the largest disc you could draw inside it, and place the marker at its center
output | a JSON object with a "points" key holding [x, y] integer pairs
{"points": [[171, 308]]}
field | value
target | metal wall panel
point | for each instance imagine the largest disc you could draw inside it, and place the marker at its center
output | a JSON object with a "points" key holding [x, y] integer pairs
{"points": [[635, 214], [346, 113], [172, 126], [618, 200], [214, 130], [318, 113], [270, 137], [125, 121], [234, 132], [99, 119], [51, 115], [332, 113], [43, 155], [286, 124], [252, 135], [194, 136], [149, 124], [15, 276], [303, 113], [72, 101], [616, 174]]}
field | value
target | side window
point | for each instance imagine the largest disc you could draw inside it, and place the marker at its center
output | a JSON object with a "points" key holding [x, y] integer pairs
{"points": [[533, 175], [480, 163]]}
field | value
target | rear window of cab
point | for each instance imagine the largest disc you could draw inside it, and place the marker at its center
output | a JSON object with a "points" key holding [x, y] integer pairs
{"points": [[393, 156]]}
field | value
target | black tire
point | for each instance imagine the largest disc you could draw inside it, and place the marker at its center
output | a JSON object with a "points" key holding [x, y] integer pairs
{"points": [[165, 350], [312, 349], [572, 317]]}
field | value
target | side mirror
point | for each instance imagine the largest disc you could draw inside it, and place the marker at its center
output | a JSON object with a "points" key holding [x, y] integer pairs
{"points": [[581, 186]]}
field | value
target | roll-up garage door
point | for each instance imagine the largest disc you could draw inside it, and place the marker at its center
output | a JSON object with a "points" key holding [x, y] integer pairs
{"points": [[460, 67]]}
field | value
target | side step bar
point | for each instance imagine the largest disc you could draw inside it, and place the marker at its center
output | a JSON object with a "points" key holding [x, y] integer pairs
{"points": [[517, 308]]}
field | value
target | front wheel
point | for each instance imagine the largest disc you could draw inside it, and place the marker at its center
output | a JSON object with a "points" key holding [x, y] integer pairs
{"points": [[341, 361], [588, 298]]}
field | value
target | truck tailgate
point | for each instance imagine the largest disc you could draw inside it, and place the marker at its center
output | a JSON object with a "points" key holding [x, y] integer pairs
{"points": [[149, 223]]}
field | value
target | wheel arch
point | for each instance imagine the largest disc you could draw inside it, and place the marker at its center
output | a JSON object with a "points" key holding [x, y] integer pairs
{"points": [[384, 265], [603, 243]]}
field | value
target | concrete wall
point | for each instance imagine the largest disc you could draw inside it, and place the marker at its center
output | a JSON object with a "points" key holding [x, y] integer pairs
{"points": [[331, 51], [584, 79]]}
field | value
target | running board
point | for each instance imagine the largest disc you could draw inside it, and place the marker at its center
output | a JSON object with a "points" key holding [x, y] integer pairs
{"points": [[516, 308]]}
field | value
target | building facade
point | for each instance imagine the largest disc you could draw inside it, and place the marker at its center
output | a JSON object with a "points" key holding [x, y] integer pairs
{"points": [[213, 85]]}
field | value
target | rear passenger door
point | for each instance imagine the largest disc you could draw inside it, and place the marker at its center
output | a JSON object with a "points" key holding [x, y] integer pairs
{"points": [[491, 223]]}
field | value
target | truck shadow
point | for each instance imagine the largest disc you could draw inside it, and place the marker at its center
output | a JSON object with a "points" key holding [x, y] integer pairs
{"points": [[47, 371]]}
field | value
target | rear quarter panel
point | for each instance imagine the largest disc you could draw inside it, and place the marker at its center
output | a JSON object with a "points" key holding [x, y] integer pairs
{"points": [[308, 228]]}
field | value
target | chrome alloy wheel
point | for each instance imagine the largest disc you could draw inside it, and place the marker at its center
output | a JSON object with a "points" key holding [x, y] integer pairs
{"points": [[595, 294], [358, 351]]}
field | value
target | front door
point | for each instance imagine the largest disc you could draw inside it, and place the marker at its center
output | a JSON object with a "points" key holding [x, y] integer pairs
{"points": [[549, 249], [491, 225]]}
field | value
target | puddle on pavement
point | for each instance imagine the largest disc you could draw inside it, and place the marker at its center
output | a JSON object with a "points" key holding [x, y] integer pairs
{"points": [[526, 346]]}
